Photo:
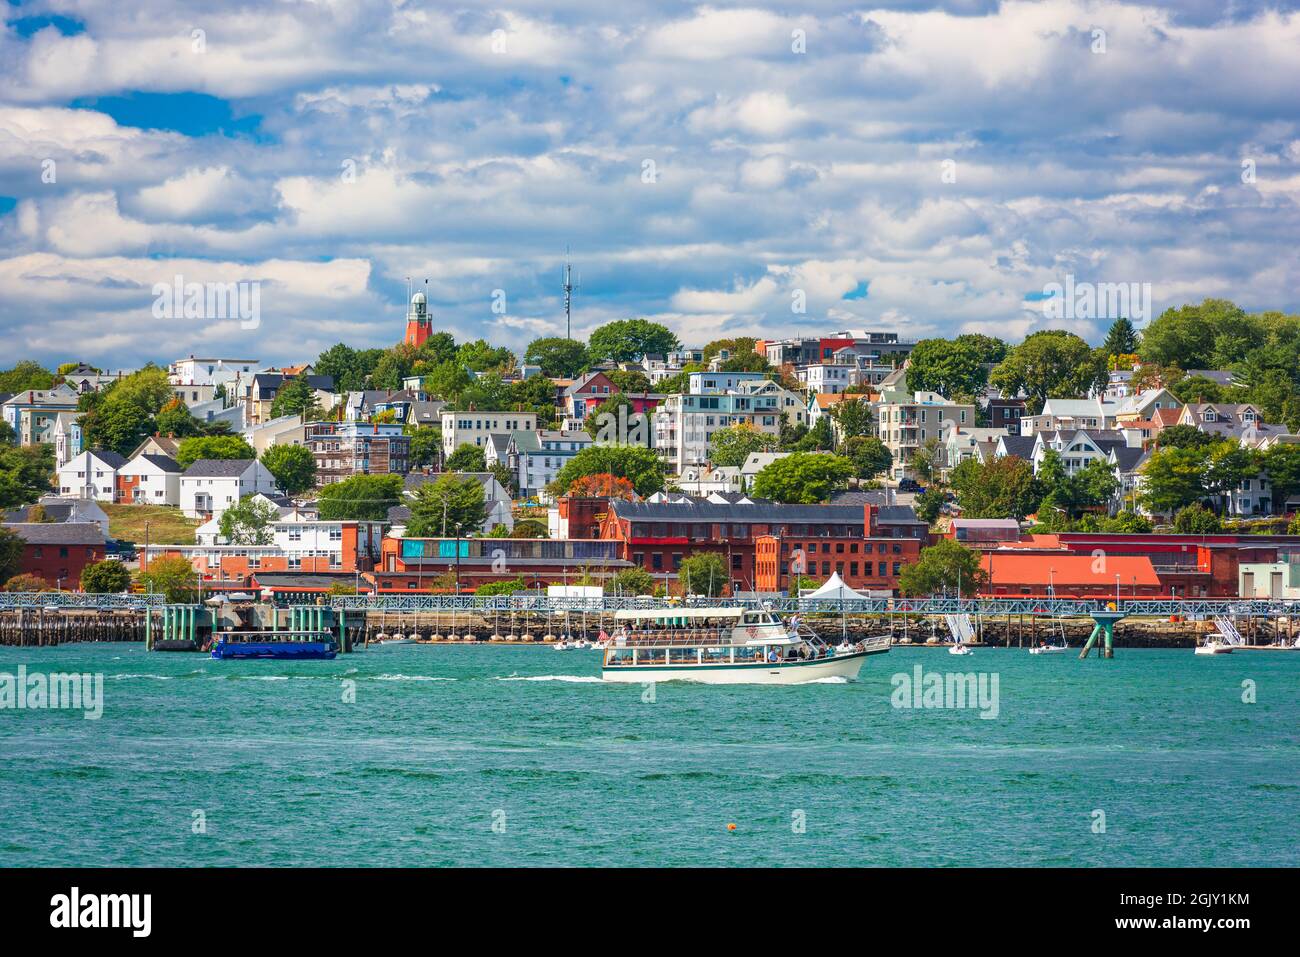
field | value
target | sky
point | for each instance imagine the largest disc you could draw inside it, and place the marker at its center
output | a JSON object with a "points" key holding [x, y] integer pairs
{"points": [[929, 168]]}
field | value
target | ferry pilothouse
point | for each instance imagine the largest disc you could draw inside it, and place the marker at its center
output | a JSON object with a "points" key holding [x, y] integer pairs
{"points": [[727, 645]]}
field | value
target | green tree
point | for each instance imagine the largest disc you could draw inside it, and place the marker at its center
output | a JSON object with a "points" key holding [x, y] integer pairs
{"points": [[175, 419], [467, 458], [451, 506], [950, 367], [1196, 519], [927, 458], [631, 581], [703, 573], [105, 578], [641, 466], [629, 340], [481, 356], [426, 445], [1183, 437], [293, 466], [803, 478], [173, 577], [559, 358], [1003, 487], [943, 567], [212, 447], [1049, 364], [12, 547], [615, 421], [1173, 478], [869, 455], [295, 397], [508, 587], [928, 505], [447, 380], [26, 375], [1185, 337], [733, 444], [854, 418], [1121, 339], [249, 522], [122, 414], [360, 498], [25, 473], [1282, 463], [629, 380]]}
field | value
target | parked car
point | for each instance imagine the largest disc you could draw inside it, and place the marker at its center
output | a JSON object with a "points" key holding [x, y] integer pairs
{"points": [[909, 485]]}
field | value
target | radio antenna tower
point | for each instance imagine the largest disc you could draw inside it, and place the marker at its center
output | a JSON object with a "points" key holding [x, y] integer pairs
{"points": [[569, 286]]}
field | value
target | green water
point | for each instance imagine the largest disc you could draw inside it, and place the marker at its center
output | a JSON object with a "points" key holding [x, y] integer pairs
{"points": [[443, 742]]}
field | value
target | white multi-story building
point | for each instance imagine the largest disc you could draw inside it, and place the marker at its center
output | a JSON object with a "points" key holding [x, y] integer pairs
{"points": [[210, 371], [210, 486], [474, 428], [906, 422], [91, 475], [684, 424]]}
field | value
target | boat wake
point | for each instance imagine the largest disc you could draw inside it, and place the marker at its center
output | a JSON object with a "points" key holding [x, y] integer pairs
{"points": [[411, 678], [578, 679]]}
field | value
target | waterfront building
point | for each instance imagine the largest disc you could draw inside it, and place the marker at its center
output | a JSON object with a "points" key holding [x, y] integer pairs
{"points": [[658, 536], [56, 552], [433, 564]]}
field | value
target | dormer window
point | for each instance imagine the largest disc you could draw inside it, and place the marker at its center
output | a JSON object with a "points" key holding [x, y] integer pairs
{"points": [[1209, 415]]}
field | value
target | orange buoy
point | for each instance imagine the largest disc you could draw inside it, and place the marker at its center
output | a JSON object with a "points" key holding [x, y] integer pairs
{"points": [[731, 827]]}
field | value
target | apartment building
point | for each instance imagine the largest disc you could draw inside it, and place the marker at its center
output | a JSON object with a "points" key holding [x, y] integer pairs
{"points": [[474, 428], [684, 424], [906, 422], [345, 449]]}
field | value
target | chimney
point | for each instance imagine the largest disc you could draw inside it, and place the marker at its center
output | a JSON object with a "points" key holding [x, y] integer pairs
{"points": [[868, 519]]}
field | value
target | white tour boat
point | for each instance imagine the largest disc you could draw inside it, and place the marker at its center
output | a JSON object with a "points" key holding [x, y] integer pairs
{"points": [[728, 645]]}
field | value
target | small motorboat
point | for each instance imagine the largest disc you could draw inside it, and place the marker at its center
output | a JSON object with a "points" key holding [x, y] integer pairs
{"points": [[392, 640], [1213, 646], [1046, 649]]}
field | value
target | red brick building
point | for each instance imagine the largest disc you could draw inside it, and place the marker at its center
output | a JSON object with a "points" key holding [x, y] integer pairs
{"points": [[659, 535], [869, 560], [580, 517], [58, 551]]}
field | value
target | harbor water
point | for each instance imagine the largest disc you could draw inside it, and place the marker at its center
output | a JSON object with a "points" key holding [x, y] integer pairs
{"points": [[519, 756]]}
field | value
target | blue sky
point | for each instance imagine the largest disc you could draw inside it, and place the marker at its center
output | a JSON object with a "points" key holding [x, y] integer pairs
{"points": [[922, 167]]}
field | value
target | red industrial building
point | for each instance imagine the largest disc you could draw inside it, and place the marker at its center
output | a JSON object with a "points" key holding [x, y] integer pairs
{"points": [[658, 536], [1192, 566]]}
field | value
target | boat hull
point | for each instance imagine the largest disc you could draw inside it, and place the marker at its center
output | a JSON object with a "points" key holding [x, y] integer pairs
{"points": [[767, 673], [278, 650]]}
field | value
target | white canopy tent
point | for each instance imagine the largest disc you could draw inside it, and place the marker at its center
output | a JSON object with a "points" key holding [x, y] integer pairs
{"points": [[835, 589]]}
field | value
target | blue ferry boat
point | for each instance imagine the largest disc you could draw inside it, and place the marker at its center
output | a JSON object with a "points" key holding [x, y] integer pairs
{"points": [[280, 645]]}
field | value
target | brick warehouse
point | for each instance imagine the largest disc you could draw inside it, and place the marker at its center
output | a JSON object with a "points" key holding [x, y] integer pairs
{"points": [[658, 535]]}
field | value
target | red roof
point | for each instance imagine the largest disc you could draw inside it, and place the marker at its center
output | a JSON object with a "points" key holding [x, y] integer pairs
{"points": [[1063, 571]]}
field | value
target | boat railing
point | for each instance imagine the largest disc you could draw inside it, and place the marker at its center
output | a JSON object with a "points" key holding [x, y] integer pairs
{"points": [[664, 639], [265, 636]]}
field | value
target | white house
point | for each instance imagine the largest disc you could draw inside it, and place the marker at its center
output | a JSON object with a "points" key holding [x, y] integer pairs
{"points": [[91, 475], [150, 480], [210, 486]]}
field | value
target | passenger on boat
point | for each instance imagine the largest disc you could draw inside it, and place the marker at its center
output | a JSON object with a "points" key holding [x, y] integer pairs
{"points": [[773, 656]]}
